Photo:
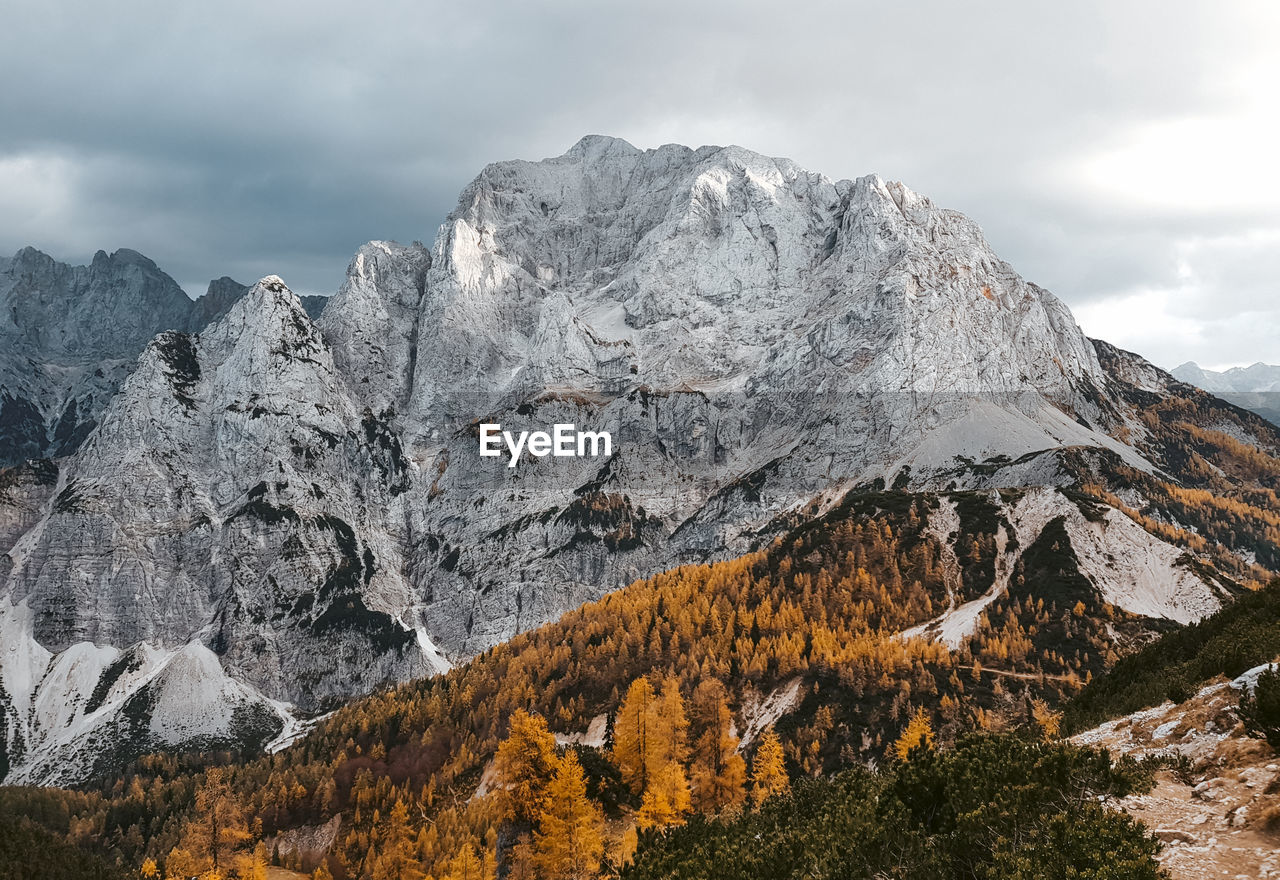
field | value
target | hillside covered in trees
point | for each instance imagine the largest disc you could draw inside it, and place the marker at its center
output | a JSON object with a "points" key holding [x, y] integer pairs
{"points": [[1241, 636], [702, 691], [995, 806], [674, 714]]}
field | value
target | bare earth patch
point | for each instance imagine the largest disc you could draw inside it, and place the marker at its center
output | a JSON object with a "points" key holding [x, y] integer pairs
{"points": [[1219, 814]]}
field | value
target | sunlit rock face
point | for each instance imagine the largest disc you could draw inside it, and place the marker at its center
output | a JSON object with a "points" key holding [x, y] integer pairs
{"points": [[752, 333]]}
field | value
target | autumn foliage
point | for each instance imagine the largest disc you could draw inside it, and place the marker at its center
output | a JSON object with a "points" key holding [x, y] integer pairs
{"points": [[451, 776]]}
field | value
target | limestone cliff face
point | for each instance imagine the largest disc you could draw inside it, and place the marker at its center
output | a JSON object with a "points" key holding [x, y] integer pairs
{"points": [[233, 483], [752, 333], [280, 512], [68, 336]]}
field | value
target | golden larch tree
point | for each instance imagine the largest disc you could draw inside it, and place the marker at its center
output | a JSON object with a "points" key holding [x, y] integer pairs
{"points": [[1048, 722], [465, 865], [253, 865], [520, 861], [671, 739], [219, 830], [397, 857], [622, 850], [569, 843], [917, 735], [666, 800], [524, 764], [768, 771], [719, 772], [632, 734]]}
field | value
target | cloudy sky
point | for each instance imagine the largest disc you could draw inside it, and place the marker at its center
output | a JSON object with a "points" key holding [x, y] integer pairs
{"points": [[1121, 153]]}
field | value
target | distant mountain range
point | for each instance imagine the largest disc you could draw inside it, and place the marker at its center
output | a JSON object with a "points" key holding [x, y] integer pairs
{"points": [[1259, 377], [1256, 387]]}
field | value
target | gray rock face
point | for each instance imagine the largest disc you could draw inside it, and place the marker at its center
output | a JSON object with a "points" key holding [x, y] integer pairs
{"points": [[24, 491], [372, 322], [103, 310], [228, 501], [69, 335], [753, 334], [219, 475], [223, 293], [306, 499]]}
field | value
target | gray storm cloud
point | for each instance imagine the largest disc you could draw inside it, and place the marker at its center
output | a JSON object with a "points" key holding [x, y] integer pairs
{"points": [[249, 139]]}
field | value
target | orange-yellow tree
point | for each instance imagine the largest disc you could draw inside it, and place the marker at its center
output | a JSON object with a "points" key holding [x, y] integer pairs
{"points": [[218, 831], [397, 854], [719, 772], [465, 865], [633, 734], [768, 773], [525, 763], [666, 800], [917, 735], [650, 749], [569, 843]]}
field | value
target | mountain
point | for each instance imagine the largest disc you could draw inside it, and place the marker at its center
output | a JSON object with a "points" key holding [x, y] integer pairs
{"points": [[216, 541], [1259, 377], [224, 292], [805, 638], [69, 336], [284, 512], [1256, 388]]}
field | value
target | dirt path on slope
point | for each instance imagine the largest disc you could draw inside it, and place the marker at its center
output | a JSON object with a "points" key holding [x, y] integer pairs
{"points": [[1220, 818], [1205, 838]]}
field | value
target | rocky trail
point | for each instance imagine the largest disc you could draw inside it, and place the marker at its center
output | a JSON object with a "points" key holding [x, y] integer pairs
{"points": [[1218, 812]]}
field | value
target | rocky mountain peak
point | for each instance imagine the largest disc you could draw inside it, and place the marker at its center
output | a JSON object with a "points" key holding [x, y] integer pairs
{"points": [[268, 298], [1255, 378], [305, 498], [68, 337], [123, 257], [109, 308], [32, 259], [267, 348], [371, 323], [1255, 387], [217, 300], [595, 147], [674, 265]]}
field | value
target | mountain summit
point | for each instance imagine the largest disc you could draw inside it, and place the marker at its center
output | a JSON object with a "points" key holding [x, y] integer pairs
{"points": [[304, 500], [1255, 387], [1256, 378]]}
